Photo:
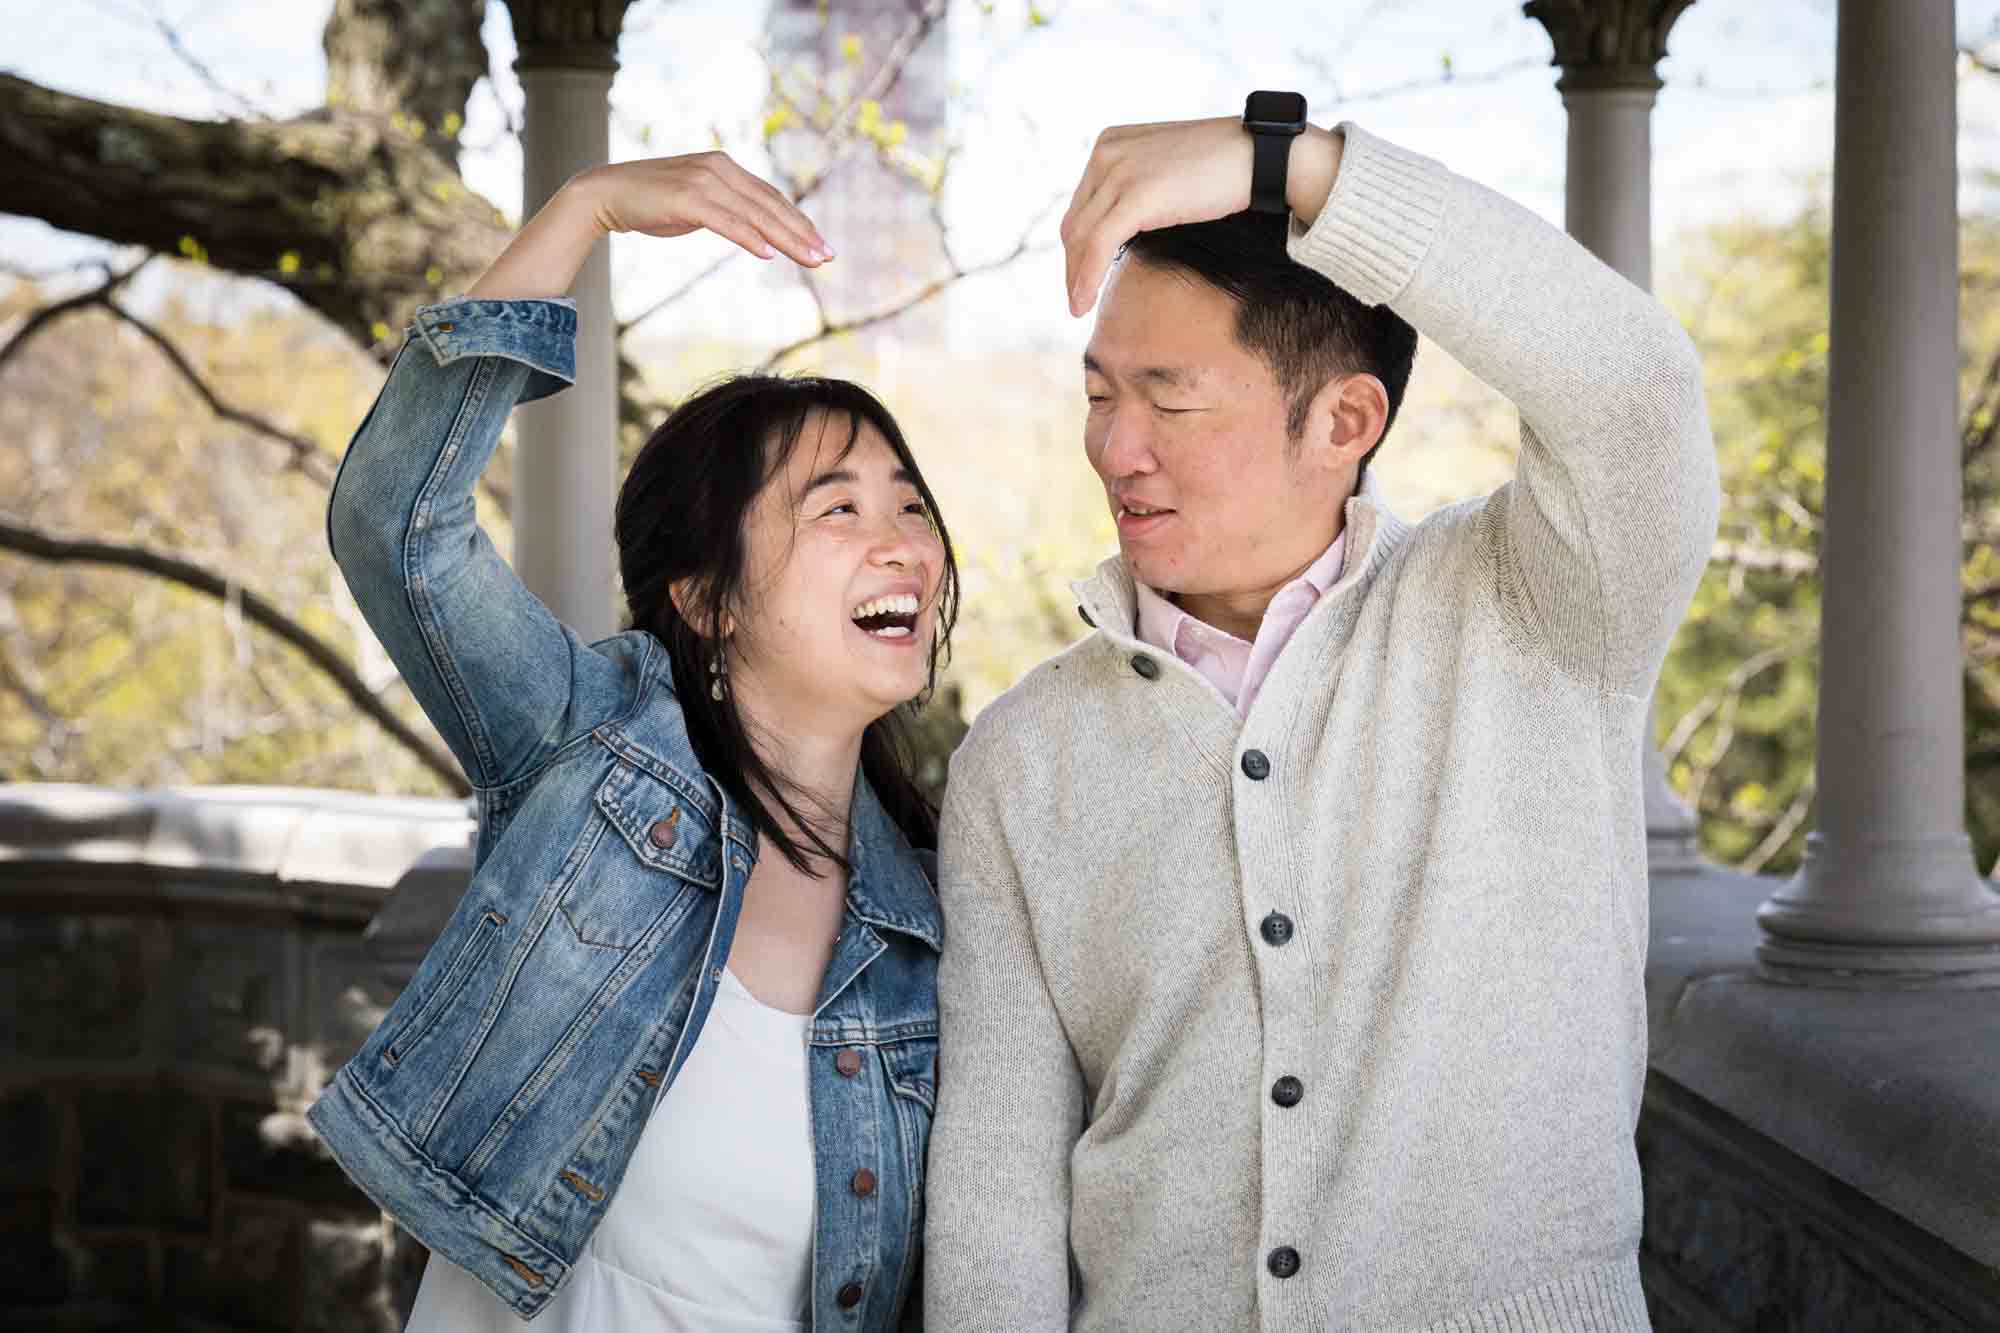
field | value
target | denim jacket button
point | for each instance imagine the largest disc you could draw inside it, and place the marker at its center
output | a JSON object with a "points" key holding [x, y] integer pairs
{"points": [[445, 326], [662, 833], [849, 1296], [863, 1182], [848, 1062]]}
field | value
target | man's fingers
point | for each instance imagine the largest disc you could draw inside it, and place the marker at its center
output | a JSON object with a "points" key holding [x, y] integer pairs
{"points": [[1106, 222]]}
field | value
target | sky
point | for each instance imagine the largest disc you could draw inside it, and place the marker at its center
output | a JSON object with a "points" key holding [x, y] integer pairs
{"points": [[1744, 124]]}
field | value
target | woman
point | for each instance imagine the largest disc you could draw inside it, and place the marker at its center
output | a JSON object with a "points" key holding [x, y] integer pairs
{"points": [[672, 1063]]}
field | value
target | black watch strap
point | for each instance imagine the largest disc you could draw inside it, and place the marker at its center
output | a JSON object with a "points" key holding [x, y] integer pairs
{"points": [[1267, 174]]}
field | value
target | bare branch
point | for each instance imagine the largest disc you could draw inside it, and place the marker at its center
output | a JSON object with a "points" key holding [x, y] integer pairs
{"points": [[1781, 832], [201, 70], [1722, 697], [1792, 564], [55, 310], [41, 546], [307, 457], [1445, 79], [833, 328], [839, 140]]}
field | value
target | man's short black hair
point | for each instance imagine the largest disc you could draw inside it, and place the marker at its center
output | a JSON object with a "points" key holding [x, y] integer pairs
{"points": [[1305, 327]]}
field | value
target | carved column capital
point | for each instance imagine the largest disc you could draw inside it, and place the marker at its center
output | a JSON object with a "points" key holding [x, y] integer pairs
{"points": [[1604, 44], [567, 34]]}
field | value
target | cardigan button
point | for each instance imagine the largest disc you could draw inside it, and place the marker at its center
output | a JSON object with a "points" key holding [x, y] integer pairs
{"points": [[848, 1062], [1283, 1262], [1287, 1091], [1276, 930], [863, 1182], [1256, 765], [849, 1296], [661, 834], [1145, 666]]}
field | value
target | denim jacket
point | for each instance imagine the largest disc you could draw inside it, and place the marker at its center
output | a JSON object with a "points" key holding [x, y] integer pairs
{"points": [[493, 1111]]}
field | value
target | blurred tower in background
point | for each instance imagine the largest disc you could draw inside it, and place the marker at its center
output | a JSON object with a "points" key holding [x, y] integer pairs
{"points": [[829, 57]]}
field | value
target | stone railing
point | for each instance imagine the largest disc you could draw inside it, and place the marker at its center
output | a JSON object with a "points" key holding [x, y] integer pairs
{"points": [[1815, 1158], [179, 972]]}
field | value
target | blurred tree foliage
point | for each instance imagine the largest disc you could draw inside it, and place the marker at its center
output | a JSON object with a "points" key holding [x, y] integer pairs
{"points": [[1740, 688]]}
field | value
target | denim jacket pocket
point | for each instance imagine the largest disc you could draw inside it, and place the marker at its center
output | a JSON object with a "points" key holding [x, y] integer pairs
{"points": [[471, 952], [613, 901]]}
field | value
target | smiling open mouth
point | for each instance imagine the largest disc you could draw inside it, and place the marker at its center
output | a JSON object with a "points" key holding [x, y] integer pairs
{"points": [[888, 617]]}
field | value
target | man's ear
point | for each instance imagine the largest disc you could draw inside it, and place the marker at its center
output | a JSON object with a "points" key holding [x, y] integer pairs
{"points": [[1346, 419]]}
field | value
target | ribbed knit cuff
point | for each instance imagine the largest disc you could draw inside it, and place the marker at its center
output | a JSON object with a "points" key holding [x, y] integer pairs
{"points": [[1605, 1299], [1379, 220]]}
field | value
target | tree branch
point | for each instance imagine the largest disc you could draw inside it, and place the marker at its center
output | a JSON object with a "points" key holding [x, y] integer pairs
{"points": [[41, 546], [172, 36], [1781, 833], [839, 141], [1767, 560], [356, 217], [55, 310], [307, 457], [833, 328]]}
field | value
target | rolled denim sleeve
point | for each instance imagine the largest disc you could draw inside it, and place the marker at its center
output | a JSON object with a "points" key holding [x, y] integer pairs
{"points": [[505, 682]]}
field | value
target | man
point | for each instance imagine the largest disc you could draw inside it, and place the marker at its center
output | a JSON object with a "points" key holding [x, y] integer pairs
{"points": [[1296, 918]]}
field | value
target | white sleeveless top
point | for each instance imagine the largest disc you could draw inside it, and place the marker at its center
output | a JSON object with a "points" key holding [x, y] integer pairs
{"points": [[711, 1231]]}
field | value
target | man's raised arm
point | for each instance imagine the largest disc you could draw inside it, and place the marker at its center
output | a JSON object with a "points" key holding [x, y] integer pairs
{"points": [[1010, 1097], [1607, 526], [1604, 532]]}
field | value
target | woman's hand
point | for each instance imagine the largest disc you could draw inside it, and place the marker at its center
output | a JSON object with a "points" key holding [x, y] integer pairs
{"points": [[661, 196], [672, 196]]}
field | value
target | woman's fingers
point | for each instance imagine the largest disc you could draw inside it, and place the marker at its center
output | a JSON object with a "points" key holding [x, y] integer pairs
{"points": [[777, 217], [787, 212]]}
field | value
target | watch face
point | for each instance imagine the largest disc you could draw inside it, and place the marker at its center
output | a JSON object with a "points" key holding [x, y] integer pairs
{"points": [[1269, 110]]}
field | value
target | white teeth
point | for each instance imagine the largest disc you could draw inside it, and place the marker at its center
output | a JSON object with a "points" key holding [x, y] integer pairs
{"points": [[902, 604]]}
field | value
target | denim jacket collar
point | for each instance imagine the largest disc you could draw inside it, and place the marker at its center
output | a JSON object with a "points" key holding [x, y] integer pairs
{"points": [[887, 885]]}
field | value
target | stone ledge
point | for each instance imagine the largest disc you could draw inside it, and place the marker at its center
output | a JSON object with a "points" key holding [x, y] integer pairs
{"points": [[1895, 1093], [305, 851]]}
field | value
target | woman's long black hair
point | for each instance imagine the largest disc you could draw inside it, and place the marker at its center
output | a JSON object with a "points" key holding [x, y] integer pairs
{"points": [[682, 512]]}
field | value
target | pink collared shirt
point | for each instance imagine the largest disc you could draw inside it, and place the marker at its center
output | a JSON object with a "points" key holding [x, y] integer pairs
{"points": [[1237, 669]]}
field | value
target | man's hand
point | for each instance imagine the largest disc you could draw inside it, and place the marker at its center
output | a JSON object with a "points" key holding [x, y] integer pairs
{"points": [[1142, 177]]}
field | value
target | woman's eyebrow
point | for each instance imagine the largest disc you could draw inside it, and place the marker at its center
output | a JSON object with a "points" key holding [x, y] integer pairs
{"points": [[842, 476]]}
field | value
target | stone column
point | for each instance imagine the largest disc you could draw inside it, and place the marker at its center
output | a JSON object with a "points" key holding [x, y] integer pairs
{"points": [[1607, 50], [566, 446], [1889, 894]]}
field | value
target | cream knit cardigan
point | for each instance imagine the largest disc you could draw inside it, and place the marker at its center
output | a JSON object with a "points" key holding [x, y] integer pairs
{"points": [[1452, 821]]}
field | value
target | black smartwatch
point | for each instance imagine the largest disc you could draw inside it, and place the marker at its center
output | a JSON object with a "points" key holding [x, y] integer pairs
{"points": [[1273, 120]]}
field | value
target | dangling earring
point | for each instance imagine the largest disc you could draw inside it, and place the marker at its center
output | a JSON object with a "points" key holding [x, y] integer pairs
{"points": [[719, 669]]}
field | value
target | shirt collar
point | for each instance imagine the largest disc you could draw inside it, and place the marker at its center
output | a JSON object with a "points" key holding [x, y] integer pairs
{"points": [[1160, 620], [1108, 599]]}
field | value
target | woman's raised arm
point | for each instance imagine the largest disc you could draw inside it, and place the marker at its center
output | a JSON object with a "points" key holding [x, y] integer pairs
{"points": [[502, 679]]}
